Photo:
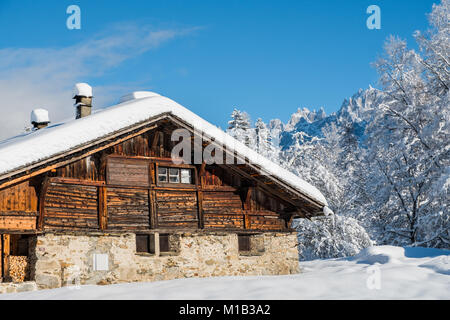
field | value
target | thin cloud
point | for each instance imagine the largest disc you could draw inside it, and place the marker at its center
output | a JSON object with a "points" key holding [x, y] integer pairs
{"points": [[43, 77]]}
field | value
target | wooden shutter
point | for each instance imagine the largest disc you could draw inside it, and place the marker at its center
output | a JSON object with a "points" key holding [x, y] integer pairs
{"points": [[244, 242], [164, 243], [128, 172]]}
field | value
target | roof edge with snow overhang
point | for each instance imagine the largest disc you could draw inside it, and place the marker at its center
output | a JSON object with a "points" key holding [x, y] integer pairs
{"points": [[29, 150]]}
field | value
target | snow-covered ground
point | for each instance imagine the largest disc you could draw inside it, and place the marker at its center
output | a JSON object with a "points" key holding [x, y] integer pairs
{"points": [[383, 272]]}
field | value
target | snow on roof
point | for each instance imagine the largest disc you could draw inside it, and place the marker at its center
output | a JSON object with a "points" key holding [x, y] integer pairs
{"points": [[31, 148], [137, 95], [82, 90], [39, 116]]}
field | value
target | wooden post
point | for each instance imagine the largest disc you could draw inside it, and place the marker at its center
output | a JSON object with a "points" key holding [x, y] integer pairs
{"points": [[200, 181], [1, 258], [201, 175], [248, 207], [155, 142], [5, 256], [201, 222], [102, 208], [152, 208], [246, 221], [161, 144], [42, 194]]}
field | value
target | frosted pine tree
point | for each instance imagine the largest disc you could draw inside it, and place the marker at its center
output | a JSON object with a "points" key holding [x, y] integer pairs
{"points": [[264, 142], [239, 127]]}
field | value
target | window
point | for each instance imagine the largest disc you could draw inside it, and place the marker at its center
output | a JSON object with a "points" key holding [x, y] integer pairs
{"points": [[186, 176], [174, 175], [162, 174], [145, 243], [251, 244], [164, 245], [244, 242]]}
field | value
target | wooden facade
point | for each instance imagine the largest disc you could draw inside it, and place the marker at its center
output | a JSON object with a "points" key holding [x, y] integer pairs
{"points": [[126, 184]]}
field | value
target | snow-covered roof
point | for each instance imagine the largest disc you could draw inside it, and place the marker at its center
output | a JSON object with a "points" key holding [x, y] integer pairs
{"points": [[34, 147]]}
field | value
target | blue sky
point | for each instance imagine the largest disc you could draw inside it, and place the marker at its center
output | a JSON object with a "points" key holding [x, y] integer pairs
{"points": [[265, 57]]}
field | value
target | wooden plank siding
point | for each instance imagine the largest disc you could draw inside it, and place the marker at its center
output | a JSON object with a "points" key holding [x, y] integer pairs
{"points": [[116, 189], [222, 209], [128, 208], [69, 206], [19, 198], [177, 208]]}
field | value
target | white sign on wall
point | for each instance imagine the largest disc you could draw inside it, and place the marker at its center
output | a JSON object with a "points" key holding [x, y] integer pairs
{"points": [[100, 262]]}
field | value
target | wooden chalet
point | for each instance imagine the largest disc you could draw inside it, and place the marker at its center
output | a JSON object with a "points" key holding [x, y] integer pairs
{"points": [[111, 172]]}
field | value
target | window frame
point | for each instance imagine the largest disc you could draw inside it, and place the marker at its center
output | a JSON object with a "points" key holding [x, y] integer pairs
{"points": [[192, 185], [150, 243]]}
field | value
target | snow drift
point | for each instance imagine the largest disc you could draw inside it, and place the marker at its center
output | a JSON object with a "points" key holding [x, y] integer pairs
{"points": [[403, 273]]}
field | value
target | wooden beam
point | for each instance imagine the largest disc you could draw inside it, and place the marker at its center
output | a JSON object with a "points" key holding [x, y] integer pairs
{"points": [[248, 199], [246, 221], [201, 221], [161, 143], [102, 208], [42, 194], [152, 208], [17, 223], [201, 174], [6, 241], [1, 258], [77, 181], [155, 141]]}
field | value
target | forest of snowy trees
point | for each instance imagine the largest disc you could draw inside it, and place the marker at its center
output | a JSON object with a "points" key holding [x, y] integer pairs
{"points": [[382, 160]]}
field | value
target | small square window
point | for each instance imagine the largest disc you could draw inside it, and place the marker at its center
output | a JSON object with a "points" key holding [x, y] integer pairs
{"points": [[186, 176], [162, 174], [145, 243], [174, 175]]}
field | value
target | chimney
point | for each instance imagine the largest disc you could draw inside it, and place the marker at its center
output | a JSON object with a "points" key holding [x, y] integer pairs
{"points": [[39, 118], [82, 93]]}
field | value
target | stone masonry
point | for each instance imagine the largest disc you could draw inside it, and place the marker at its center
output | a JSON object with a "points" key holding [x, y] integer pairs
{"points": [[64, 260]]}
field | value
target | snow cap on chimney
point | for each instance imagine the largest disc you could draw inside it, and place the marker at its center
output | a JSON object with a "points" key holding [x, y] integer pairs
{"points": [[82, 90], [82, 93], [39, 118]]}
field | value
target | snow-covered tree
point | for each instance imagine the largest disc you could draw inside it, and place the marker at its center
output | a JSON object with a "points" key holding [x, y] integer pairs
{"points": [[264, 141], [408, 146], [330, 237], [314, 160], [239, 127]]}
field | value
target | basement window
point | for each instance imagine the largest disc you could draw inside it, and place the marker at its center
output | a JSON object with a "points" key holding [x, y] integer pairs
{"points": [[251, 244], [164, 245], [145, 243], [244, 242], [169, 244]]}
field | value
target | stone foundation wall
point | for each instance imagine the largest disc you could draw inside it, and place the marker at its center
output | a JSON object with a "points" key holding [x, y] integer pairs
{"points": [[61, 260]]}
